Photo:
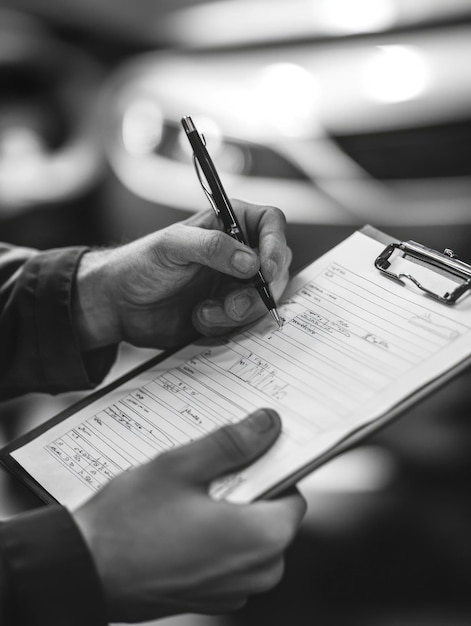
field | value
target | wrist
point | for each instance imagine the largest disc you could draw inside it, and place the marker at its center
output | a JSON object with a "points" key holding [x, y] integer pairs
{"points": [[95, 317]]}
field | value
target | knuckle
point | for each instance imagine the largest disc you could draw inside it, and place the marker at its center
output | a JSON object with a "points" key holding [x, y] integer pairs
{"points": [[166, 236], [165, 245], [271, 576], [279, 215], [211, 244], [275, 217], [278, 536], [274, 546]]}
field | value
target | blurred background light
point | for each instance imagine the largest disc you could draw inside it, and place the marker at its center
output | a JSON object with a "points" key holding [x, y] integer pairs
{"points": [[395, 73], [245, 22], [286, 97], [21, 153], [142, 126], [366, 469], [361, 16]]}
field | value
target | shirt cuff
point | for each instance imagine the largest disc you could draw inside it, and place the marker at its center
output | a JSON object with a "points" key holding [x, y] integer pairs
{"points": [[64, 366], [52, 578]]}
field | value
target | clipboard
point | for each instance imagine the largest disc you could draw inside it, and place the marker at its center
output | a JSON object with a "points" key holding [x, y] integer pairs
{"points": [[444, 264]]}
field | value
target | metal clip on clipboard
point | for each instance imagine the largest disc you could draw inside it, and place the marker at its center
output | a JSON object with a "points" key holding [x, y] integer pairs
{"points": [[445, 263]]}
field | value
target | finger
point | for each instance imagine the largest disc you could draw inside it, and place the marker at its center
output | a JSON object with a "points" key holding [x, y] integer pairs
{"points": [[165, 606], [227, 449], [183, 244], [247, 580], [277, 520], [264, 227], [266, 230], [215, 317], [244, 305], [256, 579], [241, 306], [218, 606]]}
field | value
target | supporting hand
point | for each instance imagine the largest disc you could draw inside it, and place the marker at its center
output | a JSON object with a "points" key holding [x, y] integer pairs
{"points": [[162, 545]]}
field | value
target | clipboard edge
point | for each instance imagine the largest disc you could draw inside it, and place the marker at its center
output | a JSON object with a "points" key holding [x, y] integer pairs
{"points": [[12, 465], [361, 434]]}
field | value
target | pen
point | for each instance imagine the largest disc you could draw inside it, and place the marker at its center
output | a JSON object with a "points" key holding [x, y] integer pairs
{"points": [[222, 206]]}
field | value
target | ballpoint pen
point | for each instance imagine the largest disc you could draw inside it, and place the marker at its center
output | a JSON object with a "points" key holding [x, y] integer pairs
{"points": [[222, 206]]}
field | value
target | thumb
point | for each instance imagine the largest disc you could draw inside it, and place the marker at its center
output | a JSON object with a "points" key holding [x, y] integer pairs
{"points": [[229, 448]]}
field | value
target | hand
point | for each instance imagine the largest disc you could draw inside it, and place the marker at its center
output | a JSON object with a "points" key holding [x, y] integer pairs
{"points": [[159, 291], [162, 545]]}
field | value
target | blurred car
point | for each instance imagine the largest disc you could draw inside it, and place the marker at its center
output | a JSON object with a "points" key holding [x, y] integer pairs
{"points": [[335, 119]]}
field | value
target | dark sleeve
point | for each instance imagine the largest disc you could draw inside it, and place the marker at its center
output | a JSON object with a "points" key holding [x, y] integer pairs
{"points": [[47, 575], [39, 350]]}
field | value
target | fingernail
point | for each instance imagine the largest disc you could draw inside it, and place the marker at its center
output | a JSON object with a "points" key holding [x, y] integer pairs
{"points": [[242, 304], [243, 262], [262, 420], [212, 314]]}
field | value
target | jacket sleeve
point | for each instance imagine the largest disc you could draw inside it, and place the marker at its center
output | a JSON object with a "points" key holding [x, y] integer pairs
{"points": [[39, 350], [47, 575]]}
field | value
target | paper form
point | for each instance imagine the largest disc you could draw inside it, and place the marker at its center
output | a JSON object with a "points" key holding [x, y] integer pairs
{"points": [[352, 346]]}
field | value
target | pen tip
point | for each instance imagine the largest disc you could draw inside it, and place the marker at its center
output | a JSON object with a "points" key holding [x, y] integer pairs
{"points": [[276, 317]]}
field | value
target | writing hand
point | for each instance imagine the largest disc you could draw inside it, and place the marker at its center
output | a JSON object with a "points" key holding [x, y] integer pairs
{"points": [[162, 545], [160, 290]]}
